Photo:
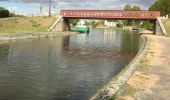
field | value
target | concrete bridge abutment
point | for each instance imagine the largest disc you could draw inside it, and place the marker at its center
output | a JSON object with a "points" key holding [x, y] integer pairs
{"points": [[159, 27], [61, 25]]}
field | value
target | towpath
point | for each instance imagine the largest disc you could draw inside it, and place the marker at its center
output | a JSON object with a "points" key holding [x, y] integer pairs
{"points": [[151, 80]]}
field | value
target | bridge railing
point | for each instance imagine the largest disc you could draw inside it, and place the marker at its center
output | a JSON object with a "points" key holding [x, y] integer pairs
{"points": [[119, 14]]}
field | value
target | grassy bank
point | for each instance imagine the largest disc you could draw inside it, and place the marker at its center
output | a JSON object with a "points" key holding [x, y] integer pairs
{"points": [[15, 25], [166, 23]]}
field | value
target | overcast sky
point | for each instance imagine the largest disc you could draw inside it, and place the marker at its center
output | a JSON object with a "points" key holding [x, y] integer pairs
{"points": [[32, 6]]}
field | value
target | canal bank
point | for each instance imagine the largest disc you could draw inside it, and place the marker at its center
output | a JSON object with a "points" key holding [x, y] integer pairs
{"points": [[146, 77], [150, 81], [109, 90], [33, 35]]}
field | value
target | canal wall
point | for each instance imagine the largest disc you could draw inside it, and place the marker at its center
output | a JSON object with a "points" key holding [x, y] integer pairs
{"points": [[33, 35], [120, 80]]}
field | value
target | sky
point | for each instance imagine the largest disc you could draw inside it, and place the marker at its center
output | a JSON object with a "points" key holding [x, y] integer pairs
{"points": [[28, 7]]}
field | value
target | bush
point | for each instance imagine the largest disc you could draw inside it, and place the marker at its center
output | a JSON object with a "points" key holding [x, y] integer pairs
{"points": [[12, 15], [4, 13], [2, 8], [146, 25]]}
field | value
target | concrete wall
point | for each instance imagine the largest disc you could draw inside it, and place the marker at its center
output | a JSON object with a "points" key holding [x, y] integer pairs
{"points": [[160, 30]]}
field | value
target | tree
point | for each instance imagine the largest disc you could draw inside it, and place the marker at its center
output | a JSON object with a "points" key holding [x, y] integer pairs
{"points": [[127, 7], [155, 6], [4, 12], [130, 22], [74, 21], [135, 8], [147, 25], [161, 5], [2, 8], [93, 24]]}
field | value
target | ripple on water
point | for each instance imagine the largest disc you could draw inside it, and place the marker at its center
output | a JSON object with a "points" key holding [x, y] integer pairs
{"points": [[63, 68]]}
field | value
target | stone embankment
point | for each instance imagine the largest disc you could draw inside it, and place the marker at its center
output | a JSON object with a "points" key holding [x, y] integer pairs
{"points": [[120, 80], [33, 35]]}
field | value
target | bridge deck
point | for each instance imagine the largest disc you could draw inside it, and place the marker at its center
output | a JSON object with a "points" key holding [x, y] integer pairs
{"points": [[110, 14]]}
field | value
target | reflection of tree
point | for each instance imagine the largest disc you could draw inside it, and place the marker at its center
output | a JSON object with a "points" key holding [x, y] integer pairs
{"points": [[65, 42], [129, 42], [4, 50]]}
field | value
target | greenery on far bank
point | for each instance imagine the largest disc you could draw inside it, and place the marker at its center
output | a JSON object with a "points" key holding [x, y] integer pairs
{"points": [[139, 23], [13, 25], [131, 22], [166, 23]]}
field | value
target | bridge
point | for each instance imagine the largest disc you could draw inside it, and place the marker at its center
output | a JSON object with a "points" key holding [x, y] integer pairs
{"points": [[62, 23], [110, 14]]}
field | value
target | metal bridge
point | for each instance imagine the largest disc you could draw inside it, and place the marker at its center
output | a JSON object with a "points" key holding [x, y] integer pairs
{"points": [[110, 14], [63, 23]]}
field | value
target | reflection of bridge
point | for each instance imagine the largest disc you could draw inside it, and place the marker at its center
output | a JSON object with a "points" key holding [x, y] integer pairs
{"points": [[63, 24], [110, 14]]}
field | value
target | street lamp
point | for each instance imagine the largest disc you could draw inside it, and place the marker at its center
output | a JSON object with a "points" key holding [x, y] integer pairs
{"points": [[49, 7]]}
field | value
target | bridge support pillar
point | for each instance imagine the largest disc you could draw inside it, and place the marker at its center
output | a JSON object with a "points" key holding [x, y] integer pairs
{"points": [[66, 25], [154, 26]]}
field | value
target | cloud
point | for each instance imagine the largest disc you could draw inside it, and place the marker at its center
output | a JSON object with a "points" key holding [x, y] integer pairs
{"points": [[91, 3], [84, 4]]}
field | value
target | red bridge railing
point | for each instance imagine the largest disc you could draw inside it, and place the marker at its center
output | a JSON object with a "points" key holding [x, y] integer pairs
{"points": [[110, 14]]}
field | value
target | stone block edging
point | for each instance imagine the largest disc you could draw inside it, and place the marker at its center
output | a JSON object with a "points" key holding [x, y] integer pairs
{"points": [[33, 35], [120, 80]]}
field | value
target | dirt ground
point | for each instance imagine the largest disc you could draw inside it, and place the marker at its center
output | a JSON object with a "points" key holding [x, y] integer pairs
{"points": [[151, 80]]}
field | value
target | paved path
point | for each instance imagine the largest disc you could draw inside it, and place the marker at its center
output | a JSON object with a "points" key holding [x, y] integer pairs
{"points": [[151, 80]]}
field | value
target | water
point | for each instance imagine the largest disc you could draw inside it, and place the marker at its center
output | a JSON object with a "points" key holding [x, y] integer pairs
{"points": [[63, 68]]}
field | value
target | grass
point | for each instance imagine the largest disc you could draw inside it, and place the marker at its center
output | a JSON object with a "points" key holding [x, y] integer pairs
{"points": [[114, 97], [143, 62], [166, 23], [15, 25], [128, 90]]}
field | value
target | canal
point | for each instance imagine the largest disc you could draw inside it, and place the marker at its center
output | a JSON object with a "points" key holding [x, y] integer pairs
{"points": [[65, 67]]}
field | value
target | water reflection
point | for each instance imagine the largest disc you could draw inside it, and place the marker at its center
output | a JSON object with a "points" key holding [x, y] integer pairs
{"points": [[63, 68]]}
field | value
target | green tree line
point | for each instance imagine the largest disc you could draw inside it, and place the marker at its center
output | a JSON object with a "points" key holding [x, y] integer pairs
{"points": [[141, 24], [5, 13], [131, 22], [161, 5]]}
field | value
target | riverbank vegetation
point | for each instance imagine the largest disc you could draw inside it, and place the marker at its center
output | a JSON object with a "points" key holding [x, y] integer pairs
{"points": [[13, 25], [136, 23]]}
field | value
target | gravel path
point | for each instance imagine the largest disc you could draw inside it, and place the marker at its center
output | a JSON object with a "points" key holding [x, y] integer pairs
{"points": [[159, 62]]}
